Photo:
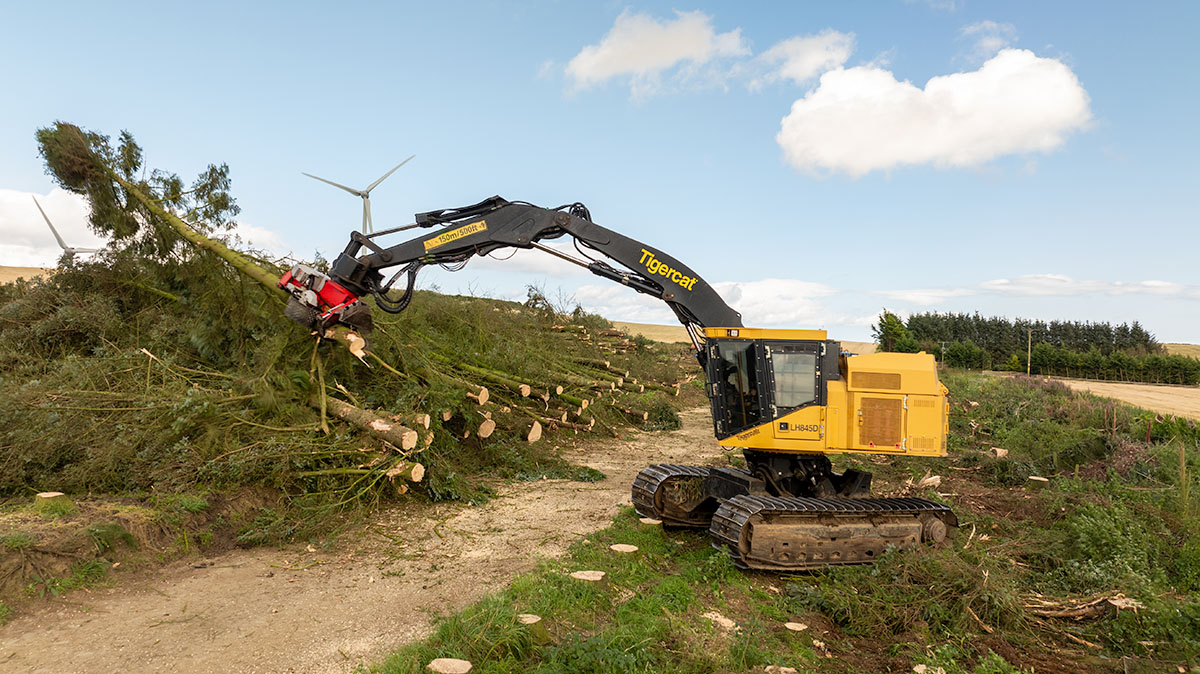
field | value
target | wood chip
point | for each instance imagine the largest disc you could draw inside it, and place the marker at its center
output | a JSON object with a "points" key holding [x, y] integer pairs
{"points": [[796, 627], [528, 618], [623, 548], [649, 520], [720, 621]]}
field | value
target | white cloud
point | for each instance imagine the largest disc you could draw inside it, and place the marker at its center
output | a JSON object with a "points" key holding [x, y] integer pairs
{"points": [[27, 241], [1046, 285], [778, 302], [862, 119], [644, 49], [764, 303], [942, 5], [1034, 285], [925, 296], [533, 262], [802, 58], [990, 37], [261, 238]]}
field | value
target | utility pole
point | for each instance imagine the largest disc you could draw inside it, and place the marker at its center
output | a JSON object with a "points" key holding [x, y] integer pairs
{"points": [[1029, 351]]}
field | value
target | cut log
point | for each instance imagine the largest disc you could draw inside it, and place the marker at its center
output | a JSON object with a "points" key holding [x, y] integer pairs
{"points": [[401, 436], [411, 471], [481, 397], [421, 420], [535, 432], [446, 415], [486, 428]]}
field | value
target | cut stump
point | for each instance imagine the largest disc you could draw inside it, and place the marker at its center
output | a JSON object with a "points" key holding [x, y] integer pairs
{"points": [[449, 666]]}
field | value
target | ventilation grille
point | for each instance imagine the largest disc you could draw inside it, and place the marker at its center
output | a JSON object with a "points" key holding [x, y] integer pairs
{"points": [[882, 418], [924, 442], [881, 380], [922, 402]]}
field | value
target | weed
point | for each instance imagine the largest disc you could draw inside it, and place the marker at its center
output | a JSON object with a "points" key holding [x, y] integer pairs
{"points": [[83, 574], [18, 540], [106, 536], [5, 612]]}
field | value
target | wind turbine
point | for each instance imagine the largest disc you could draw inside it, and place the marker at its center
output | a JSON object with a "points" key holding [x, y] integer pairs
{"points": [[67, 250], [368, 226]]}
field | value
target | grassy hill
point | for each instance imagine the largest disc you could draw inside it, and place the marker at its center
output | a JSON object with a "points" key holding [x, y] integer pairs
{"points": [[1099, 571], [10, 274]]}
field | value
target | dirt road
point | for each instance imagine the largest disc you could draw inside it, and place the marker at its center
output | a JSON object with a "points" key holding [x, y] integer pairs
{"points": [[304, 610], [1180, 400]]}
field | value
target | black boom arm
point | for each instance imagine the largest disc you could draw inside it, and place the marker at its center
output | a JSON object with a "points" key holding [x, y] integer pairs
{"points": [[496, 223]]}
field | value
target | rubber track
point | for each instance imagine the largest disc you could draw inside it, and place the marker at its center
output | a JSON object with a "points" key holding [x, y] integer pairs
{"points": [[647, 482], [733, 515]]}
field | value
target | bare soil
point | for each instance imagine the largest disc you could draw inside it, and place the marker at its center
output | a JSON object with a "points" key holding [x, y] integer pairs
{"points": [[1183, 401], [304, 609]]}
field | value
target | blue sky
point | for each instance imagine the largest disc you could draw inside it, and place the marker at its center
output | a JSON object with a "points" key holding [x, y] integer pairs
{"points": [[1048, 170]]}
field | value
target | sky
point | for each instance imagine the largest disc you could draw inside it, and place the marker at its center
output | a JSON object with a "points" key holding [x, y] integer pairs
{"points": [[816, 162]]}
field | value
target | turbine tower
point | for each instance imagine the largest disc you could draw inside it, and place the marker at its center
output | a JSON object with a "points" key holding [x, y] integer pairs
{"points": [[67, 250], [365, 193]]}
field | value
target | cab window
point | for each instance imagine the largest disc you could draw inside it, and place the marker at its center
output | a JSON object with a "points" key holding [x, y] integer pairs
{"points": [[738, 379], [795, 378]]}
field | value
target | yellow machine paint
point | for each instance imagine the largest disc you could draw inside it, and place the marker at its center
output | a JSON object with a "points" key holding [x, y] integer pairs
{"points": [[882, 403]]}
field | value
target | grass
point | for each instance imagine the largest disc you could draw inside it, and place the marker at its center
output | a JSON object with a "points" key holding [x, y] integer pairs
{"points": [[1113, 521], [83, 575]]}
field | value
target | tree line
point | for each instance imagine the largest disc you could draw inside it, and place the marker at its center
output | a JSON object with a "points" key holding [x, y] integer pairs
{"points": [[1125, 352]]}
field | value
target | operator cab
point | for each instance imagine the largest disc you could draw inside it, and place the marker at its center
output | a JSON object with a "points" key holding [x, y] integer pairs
{"points": [[756, 376]]}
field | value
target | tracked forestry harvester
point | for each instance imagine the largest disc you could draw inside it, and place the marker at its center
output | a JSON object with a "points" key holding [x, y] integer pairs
{"points": [[788, 398]]}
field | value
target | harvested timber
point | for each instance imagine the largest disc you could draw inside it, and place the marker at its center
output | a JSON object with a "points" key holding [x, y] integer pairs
{"points": [[1081, 609], [421, 420], [411, 471], [535, 432], [500, 378], [636, 415], [401, 436], [486, 428], [481, 397], [581, 403], [446, 415]]}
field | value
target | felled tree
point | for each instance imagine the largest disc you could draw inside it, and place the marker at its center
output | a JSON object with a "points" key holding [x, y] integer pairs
{"points": [[152, 215]]}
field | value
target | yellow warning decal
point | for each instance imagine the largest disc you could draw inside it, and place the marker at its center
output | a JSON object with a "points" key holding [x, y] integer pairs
{"points": [[455, 234]]}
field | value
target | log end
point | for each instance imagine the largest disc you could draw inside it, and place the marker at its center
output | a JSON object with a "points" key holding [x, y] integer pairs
{"points": [[486, 428]]}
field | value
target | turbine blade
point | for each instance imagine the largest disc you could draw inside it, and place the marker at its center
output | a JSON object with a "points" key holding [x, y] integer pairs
{"points": [[351, 190], [389, 173], [61, 244]]}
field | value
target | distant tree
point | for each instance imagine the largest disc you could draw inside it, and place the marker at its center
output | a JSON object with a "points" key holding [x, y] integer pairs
{"points": [[891, 334]]}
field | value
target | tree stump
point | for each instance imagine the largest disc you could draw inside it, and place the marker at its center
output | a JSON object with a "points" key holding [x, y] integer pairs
{"points": [[537, 628], [53, 503], [449, 666]]}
